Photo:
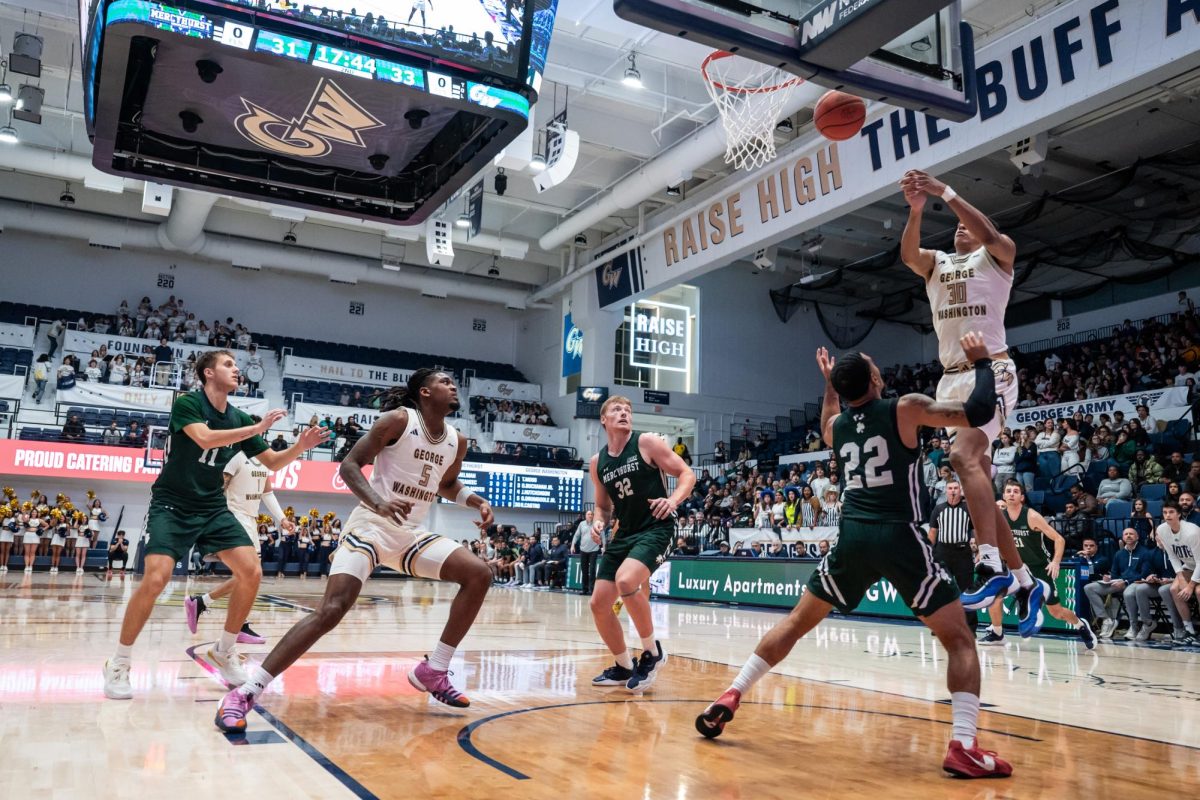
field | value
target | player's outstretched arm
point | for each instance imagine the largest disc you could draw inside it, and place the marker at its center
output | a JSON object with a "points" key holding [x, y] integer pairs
{"points": [[915, 257], [831, 404], [452, 489], [312, 437], [1039, 524], [667, 460], [975, 221], [208, 439], [386, 430], [978, 410]]}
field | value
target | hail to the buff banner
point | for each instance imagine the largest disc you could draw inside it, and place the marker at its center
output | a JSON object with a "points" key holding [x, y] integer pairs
{"points": [[343, 372], [1164, 404], [506, 390]]}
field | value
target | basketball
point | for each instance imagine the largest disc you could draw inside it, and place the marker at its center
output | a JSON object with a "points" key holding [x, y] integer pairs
{"points": [[839, 116]]}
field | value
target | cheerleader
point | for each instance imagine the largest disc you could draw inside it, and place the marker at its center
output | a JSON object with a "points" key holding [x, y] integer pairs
{"points": [[58, 538], [32, 523], [326, 546], [304, 546], [9, 525], [264, 542], [83, 541]]}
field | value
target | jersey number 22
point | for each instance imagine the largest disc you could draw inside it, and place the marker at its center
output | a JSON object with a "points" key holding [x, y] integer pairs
{"points": [[872, 473]]}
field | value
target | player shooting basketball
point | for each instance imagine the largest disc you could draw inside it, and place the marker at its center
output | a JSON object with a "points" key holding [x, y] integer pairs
{"points": [[969, 290]]}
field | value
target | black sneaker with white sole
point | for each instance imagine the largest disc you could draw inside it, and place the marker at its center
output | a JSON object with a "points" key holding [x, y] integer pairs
{"points": [[616, 675], [645, 672], [1087, 635], [991, 638]]}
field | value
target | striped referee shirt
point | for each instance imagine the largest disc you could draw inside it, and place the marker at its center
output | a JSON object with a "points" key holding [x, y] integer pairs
{"points": [[953, 523]]}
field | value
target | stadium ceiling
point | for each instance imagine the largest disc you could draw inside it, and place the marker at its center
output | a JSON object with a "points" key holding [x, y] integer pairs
{"points": [[621, 129]]}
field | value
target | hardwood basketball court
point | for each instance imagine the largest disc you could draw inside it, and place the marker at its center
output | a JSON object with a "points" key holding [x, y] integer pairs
{"points": [[860, 708]]}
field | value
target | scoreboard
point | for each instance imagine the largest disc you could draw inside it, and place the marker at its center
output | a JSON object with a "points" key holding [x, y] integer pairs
{"points": [[515, 486]]}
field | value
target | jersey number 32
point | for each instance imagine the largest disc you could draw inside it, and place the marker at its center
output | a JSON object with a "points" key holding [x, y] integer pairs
{"points": [[872, 473]]}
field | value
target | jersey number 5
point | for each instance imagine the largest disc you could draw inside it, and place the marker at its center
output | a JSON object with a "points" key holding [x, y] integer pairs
{"points": [[876, 451], [624, 488]]}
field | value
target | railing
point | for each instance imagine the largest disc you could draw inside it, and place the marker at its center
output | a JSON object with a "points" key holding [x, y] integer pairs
{"points": [[1093, 335]]}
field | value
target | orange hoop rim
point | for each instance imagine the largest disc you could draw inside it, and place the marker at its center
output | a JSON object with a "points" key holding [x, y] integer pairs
{"points": [[717, 55]]}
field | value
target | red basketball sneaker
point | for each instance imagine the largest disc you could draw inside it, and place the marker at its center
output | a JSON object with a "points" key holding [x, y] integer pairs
{"points": [[974, 762], [711, 723]]}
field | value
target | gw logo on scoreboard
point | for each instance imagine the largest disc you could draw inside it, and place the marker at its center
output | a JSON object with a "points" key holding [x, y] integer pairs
{"points": [[331, 116]]}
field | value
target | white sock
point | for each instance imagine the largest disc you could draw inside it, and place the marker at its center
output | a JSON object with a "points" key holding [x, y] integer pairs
{"points": [[1023, 576], [625, 660], [440, 660], [124, 651], [226, 642], [648, 643], [965, 707], [996, 629], [207, 598], [754, 668], [259, 680], [990, 555], [1189, 626]]}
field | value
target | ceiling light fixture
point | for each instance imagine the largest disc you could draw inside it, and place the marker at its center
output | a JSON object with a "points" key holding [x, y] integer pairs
{"points": [[633, 78], [463, 221], [673, 191], [6, 94], [922, 45], [8, 135], [538, 162]]}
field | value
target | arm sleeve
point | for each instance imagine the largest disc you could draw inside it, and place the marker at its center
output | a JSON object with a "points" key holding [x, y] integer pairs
{"points": [[980, 407], [185, 411]]}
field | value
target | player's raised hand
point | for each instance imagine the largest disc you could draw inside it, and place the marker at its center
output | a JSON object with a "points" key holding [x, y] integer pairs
{"points": [[917, 181], [395, 510], [269, 419], [825, 362], [973, 346], [313, 436], [914, 197], [661, 508], [287, 525], [486, 517]]}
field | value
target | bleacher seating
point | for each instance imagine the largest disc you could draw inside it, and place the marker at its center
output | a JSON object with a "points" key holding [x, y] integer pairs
{"points": [[13, 357]]}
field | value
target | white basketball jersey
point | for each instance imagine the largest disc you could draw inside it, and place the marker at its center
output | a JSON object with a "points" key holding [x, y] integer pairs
{"points": [[1181, 547], [247, 484], [412, 468], [967, 293]]}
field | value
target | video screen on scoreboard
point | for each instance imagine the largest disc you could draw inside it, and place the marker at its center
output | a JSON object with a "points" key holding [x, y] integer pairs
{"points": [[516, 486], [487, 34]]}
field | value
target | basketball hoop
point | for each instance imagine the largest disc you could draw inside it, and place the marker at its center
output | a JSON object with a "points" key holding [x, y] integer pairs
{"points": [[749, 97]]}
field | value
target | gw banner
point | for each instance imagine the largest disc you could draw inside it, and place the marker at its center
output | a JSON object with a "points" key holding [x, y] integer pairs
{"points": [[1165, 404], [343, 372], [780, 582], [506, 390], [533, 434]]}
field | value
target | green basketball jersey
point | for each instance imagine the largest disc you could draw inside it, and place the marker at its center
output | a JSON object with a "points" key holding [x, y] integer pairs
{"points": [[631, 484], [1030, 543], [192, 479], [882, 474]]}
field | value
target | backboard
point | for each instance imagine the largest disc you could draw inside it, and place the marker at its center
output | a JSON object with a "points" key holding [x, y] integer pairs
{"points": [[913, 54]]}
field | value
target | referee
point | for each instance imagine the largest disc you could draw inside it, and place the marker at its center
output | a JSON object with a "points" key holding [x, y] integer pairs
{"points": [[950, 533]]}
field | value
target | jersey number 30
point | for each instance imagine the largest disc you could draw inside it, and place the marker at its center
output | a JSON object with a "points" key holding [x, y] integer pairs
{"points": [[876, 451]]}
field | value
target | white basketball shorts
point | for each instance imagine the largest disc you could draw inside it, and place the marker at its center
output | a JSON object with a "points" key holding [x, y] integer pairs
{"points": [[369, 540], [958, 386]]}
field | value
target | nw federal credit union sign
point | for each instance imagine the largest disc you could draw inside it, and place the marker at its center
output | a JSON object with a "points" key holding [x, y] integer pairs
{"points": [[660, 336]]}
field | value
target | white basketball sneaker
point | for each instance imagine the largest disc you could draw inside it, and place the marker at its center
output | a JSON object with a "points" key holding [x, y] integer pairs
{"points": [[116, 679], [230, 664]]}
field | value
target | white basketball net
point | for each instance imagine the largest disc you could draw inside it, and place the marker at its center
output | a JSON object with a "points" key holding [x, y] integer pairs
{"points": [[749, 97]]}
